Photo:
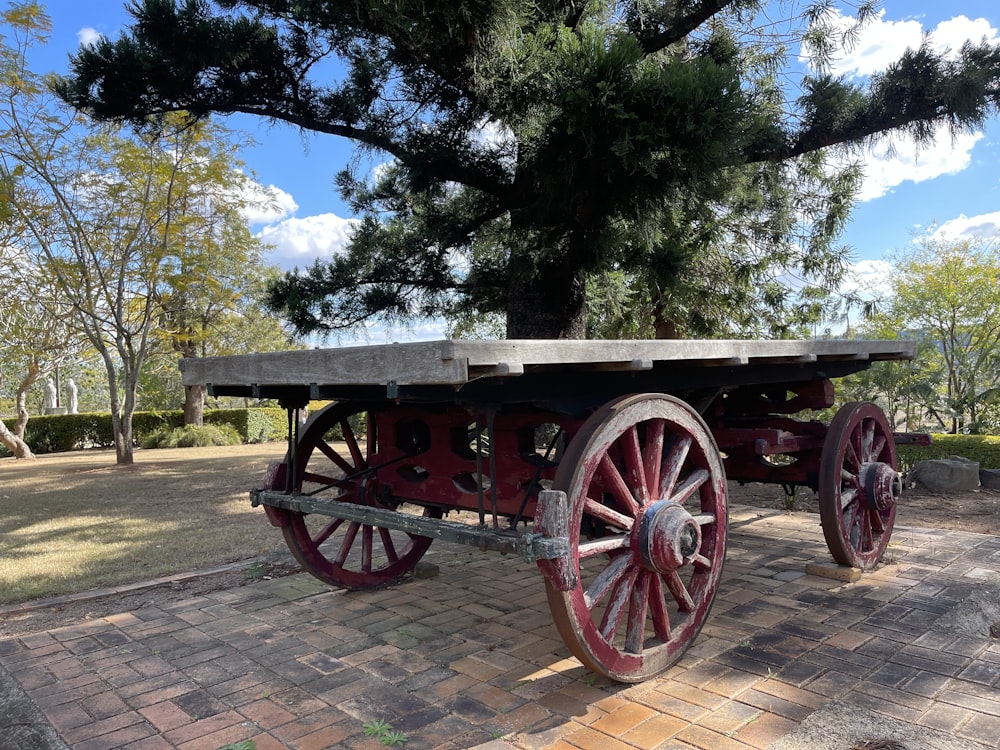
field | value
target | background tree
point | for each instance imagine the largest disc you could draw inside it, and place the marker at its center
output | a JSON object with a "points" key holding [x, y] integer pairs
{"points": [[536, 145], [116, 223], [216, 316], [945, 294], [36, 335], [212, 278], [948, 291]]}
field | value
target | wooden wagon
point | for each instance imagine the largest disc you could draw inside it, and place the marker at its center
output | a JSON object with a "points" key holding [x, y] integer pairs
{"points": [[603, 462]]}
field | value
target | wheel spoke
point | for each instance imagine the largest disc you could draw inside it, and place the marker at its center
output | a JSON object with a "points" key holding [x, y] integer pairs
{"points": [[347, 543], [701, 562], [330, 452], [603, 545], [878, 527], [658, 607], [850, 520], [689, 486], [606, 579], [608, 515], [653, 455], [388, 545], [327, 530], [634, 469], [617, 606], [352, 445], [878, 447], [674, 463], [851, 456], [366, 549], [867, 436], [680, 593], [617, 487], [638, 608], [847, 496], [314, 478], [703, 519]]}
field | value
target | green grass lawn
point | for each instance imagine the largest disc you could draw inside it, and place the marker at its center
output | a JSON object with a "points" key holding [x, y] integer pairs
{"points": [[72, 522]]}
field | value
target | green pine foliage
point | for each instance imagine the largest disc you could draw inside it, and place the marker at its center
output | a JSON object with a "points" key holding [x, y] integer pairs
{"points": [[536, 147]]}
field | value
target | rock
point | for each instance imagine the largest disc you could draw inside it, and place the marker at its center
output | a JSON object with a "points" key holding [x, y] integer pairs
{"points": [[989, 479], [952, 474]]}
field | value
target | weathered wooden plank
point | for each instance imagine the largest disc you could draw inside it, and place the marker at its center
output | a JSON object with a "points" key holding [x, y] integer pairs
{"points": [[531, 546], [405, 364], [456, 362]]}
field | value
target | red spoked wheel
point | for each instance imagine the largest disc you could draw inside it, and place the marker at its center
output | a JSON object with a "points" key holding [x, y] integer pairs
{"points": [[646, 491], [858, 485], [335, 468]]}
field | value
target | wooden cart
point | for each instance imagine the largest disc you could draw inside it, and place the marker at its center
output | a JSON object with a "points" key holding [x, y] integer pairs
{"points": [[603, 462]]}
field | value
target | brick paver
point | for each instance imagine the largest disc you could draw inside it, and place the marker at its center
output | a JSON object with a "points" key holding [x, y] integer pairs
{"points": [[471, 658]]}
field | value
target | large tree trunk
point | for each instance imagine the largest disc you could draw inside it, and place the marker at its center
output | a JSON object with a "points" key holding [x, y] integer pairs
{"points": [[546, 301], [14, 443]]}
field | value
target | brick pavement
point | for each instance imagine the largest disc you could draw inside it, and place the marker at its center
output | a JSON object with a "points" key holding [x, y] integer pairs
{"points": [[471, 658]]}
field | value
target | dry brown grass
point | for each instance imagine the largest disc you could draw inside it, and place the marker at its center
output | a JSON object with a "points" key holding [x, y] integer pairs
{"points": [[75, 521]]}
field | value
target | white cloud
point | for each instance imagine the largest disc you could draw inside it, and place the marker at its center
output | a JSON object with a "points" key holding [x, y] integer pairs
{"points": [[872, 278], [267, 205], [882, 42], [298, 242], [898, 160], [983, 226], [88, 36]]}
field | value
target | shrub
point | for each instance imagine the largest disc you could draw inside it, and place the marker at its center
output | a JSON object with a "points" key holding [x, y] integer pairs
{"points": [[63, 432], [982, 448], [190, 436], [254, 425]]}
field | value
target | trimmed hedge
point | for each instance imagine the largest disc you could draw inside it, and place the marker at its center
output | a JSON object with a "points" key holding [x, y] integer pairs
{"points": [[982, 448], [56, 433]]}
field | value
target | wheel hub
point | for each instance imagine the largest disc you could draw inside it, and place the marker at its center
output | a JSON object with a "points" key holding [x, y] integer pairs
{"points": [[882, 485], [668, 537]]}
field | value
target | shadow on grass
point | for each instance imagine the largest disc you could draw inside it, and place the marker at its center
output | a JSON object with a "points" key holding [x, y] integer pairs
{"points": [[73, 522]]}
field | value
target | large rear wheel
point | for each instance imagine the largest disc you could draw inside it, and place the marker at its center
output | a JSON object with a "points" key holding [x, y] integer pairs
{"points": [[646, 491]]}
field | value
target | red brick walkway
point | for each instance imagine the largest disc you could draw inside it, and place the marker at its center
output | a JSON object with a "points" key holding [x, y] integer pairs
{"points": [[471, 658]]}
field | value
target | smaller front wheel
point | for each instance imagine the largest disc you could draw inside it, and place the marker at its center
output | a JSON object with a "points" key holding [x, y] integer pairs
{"points": [[858, 485], [336, 468]]}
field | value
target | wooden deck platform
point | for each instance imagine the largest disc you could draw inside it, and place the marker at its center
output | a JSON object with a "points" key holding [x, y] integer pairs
{"points": [[457, 362]]}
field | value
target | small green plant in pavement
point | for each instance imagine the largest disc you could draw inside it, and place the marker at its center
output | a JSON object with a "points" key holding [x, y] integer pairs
{"points": [[384, 733]]}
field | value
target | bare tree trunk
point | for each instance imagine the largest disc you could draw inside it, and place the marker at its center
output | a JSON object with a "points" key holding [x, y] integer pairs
{"points": [[32, 376], [14, 444], [194, 405]]}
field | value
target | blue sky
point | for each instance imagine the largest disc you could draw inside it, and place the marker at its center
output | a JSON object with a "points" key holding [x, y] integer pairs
{"points": [[954, 185]]}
